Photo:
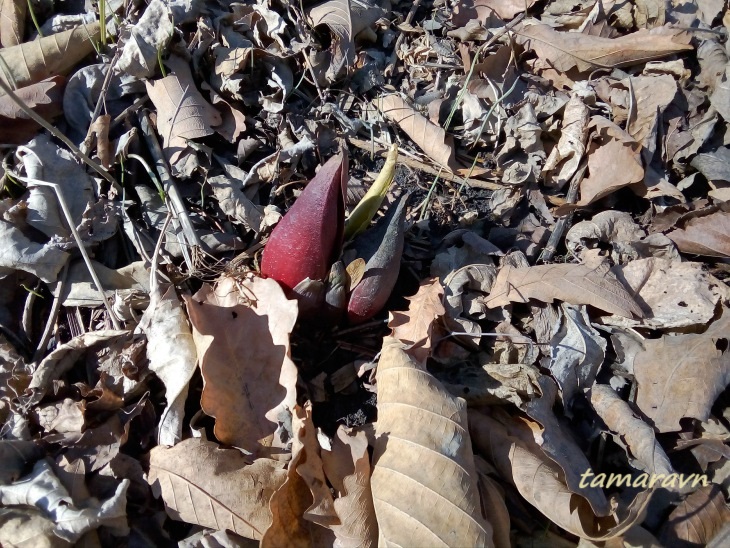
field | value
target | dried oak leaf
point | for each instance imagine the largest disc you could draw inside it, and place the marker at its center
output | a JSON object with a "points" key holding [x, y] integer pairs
{"points": [[431, 138], [482, 9], [182, 112], [681, 376], [243, 349], [414, 327], [42, 58], [572, 283], [563, 51], [12, 22], [203, 484], [424, 478], [45, 98], [565, 158]]}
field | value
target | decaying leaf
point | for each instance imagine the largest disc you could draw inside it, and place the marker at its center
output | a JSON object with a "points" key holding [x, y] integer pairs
{"points": [[424, 479], [575, 284], [680, 376], [243, 348], [704, 235], [12, 22], [145, 39], [414, 327], [43, 58], [431, 138], [566, 50], [204, 484], [568, 153], [18, 252], [44, 98]]}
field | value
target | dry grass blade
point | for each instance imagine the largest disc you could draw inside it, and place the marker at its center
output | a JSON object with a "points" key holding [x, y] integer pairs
{"points": [[424, 479]]}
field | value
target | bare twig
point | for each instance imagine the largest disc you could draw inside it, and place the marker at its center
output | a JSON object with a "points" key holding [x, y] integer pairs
{"points": [[52, 316]]}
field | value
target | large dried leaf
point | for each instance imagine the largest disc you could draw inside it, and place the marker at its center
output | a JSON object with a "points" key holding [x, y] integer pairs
{"points": [[203, 484], [565, 158], [424, 479], [629, 429], [182, 112], [243, 348], [482, 9], [697, 520], [563, 51], [172, 356], [681, 376], [704, 235], [431, 138], [513, 451], [18, 252], [55, 55], [414, 327], [572, 283]]}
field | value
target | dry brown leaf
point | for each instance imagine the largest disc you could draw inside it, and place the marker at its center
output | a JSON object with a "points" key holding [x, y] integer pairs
{"points": [[681, 376], [243, 349], [203, 484], [12, 22], [496, 511], [55, 55], [697, 520], [347, 466], [603, 177], [182, 112], [482, 9], [302, 507], [566, 50], [630, 429], [572, 283], [568, 153], [415, 326], [704, 235], [652, 95], [424, 478], [513, 451], [431, 138]]}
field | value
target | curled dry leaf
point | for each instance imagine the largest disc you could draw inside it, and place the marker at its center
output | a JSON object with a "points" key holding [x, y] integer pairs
{"points": [[564, 51], [43, 58], [431, 138], [633, 431], [182, 112], [147, 37], [681, 376], [203, 484], [572, 283], [18, 252], [424, 479], [513, 451], [565, 158], [482, 9], [414, 327], [172, 357], [243, 348]]}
